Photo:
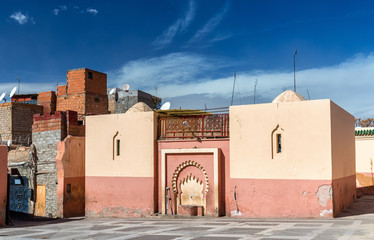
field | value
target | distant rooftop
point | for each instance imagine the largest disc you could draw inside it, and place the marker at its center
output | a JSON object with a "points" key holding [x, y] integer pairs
{"points": [[288, 96]]}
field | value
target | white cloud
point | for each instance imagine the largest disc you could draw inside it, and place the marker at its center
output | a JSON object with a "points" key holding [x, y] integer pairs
{"points": [[74, 8], [349, 84], [57, 11], [92, 11], [174, 68], [20, 18], [179, 26], [221, 37], [211, 24]]}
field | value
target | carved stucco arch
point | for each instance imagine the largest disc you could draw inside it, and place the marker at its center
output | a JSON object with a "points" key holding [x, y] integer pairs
{"points": [[183, 166]]}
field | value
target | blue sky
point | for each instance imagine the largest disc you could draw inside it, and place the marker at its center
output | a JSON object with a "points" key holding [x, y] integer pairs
{"points": [[187, 51]]}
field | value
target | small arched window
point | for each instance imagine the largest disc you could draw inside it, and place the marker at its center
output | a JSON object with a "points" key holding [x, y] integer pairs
{"points": [[277, 143], [116, 145]]}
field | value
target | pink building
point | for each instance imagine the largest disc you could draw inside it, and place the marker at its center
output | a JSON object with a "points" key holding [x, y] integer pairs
{"points": [[3, 182], [365, 159], [289, 158]]}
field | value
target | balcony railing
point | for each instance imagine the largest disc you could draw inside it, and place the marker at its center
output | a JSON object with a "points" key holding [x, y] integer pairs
{"points": [[194, 127]]}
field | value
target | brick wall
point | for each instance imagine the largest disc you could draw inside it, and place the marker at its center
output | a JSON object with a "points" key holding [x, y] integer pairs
{"points": [[5, 121], [85, 93], [78, 81], [62, 90], [46, 148], [22, 121], [48, 101], [98, 83], [74, 102], [16, 121], [50, 123], [73, 128], [48, 130], [96, 104], [111, 106]]}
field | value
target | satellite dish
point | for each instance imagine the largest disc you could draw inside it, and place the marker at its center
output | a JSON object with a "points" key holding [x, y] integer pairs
{"points": [[112, 91], [126, 87], [2, 97], [8, 143], [165, 106], [13, 92]]}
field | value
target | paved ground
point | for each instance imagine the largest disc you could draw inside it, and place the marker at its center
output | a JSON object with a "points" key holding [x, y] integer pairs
{"points": [[356, 223]]}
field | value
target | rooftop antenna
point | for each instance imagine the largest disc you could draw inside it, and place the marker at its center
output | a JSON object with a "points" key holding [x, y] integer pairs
{"points": [[19, 83], [308, 94], [13, 92], [126, 87], [294, 70], [2, 97], [254, 96], [57, 82], [233, 88], [165, 106]]}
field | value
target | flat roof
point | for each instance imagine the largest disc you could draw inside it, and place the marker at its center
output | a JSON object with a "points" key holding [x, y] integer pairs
{"points": [[182, 112]]}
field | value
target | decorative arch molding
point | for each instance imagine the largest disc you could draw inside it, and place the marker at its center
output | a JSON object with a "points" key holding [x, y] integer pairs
{"points": [[183, 166], [214, 186]]}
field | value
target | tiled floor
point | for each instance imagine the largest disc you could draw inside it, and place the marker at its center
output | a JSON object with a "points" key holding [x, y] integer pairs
{"points": [[355, 224]]}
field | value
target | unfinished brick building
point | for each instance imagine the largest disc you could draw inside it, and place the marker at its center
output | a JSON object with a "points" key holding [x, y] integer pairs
{"points": [[25, 98], [48, 131], [85, 93], [48, 101], [16, 121]]}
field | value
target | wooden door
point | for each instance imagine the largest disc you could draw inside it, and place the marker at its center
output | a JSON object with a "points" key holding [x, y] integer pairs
{"points": [[40, 201]]}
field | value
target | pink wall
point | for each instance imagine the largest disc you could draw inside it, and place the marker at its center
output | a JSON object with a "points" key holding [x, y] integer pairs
{"points": [[344, 193], [3, 182], [206, 160], [70, 163], [280, 198], [119, 196]]}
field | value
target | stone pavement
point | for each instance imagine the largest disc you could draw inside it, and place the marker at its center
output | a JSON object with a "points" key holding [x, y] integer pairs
{"points": [[356, 223]]}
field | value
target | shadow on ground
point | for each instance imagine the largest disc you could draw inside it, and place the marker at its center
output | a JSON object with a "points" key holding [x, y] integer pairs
{"points": [[38, 221], [362, 206]]}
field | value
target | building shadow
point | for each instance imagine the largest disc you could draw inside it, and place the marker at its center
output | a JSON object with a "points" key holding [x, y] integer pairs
{"points": [[30, 220], [363, 205]]}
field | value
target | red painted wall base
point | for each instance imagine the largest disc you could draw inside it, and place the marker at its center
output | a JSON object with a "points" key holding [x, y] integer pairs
{"points": [[119, 196]]}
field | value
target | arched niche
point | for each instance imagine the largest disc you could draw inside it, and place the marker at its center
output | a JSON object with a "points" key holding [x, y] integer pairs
{"points": [[278, 143]]}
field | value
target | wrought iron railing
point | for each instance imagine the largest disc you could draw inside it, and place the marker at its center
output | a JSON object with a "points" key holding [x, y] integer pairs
{"points": [[190, 127]]}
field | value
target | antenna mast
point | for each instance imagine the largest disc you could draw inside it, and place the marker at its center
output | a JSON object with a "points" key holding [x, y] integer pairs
{"points": [[254, 96], [233, 88], [19, 82], [294, 70]]}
